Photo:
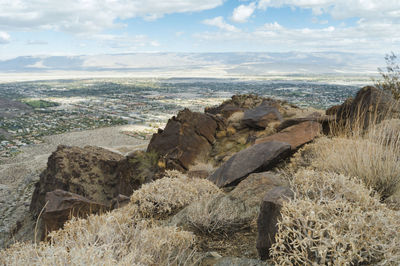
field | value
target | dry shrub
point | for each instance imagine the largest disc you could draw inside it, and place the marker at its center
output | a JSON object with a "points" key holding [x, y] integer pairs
{"points": [[123, 236], [334, 220], [167, 195], [220, 214], [101, 240], [368, 158]]}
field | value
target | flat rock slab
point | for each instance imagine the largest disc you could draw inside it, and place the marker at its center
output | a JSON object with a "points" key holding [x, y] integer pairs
{"points": [[296, 135], [260, 116], [257, 158]]}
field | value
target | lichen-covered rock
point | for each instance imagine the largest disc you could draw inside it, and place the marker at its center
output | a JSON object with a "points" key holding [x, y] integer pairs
{"points": [[91, 172], [257, 158]]}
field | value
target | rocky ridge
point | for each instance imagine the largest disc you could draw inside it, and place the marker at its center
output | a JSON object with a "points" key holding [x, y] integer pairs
{"points": [[242, 141]]}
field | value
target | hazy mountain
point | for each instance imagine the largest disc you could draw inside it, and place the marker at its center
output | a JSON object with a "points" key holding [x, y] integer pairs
{"points": [[228, 63]]}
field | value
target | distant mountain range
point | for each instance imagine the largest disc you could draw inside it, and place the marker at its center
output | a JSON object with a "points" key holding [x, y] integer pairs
{"points": [[223, 63]]}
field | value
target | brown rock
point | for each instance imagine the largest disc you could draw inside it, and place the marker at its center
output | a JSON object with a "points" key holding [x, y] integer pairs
{"points": [[370, 104], [268, 218], [187, 138], [260, 116], [203, 174], [91, 172], [257, 158], [62, 205], [296, 135]]}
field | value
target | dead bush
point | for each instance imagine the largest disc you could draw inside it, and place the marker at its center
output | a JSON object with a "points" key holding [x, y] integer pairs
{"points": [[335, 220]]}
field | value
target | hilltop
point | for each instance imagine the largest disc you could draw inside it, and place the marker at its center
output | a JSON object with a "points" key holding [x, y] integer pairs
{"points": [[253, 181]]}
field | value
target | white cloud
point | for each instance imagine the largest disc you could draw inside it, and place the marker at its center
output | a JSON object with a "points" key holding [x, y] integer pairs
{"points": [[4, 37], [366, 36], [243, 12], [341, 9], [83, 16], [220, 23]]}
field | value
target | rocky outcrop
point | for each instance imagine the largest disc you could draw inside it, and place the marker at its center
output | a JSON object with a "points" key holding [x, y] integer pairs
{"points": [[91, 172], [268, 218], [187, 138], [369, 105], [62, 205], [236, 104], [296, 135], [261, 116], [257, 158]]}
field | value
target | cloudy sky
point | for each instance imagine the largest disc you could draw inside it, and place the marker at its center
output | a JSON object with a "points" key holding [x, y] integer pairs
{"points": [[87, 27]]}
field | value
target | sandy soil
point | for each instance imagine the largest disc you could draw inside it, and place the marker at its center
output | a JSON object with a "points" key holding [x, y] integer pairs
{"points": [[18, 174]]}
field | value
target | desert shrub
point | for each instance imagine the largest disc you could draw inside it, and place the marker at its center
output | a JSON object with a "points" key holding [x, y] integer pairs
{"points": [[166, 195], [102, 240], [335, 220], [124, 236], [390, 76], [371, 159], [217, 215]]}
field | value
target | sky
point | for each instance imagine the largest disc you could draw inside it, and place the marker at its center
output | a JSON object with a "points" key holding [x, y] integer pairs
{"points": [[90, 27]]}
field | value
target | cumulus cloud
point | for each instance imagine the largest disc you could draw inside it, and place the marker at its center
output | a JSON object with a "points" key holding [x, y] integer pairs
{"points": [[243, 12], [220, 23], [4, 37], [82, 16]]}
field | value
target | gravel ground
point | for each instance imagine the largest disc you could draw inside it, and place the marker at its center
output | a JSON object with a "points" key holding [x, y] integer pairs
{"points": [[18, 174]]}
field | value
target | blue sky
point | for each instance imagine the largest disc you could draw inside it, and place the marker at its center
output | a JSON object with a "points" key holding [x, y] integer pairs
{"points": [[87, 27]]}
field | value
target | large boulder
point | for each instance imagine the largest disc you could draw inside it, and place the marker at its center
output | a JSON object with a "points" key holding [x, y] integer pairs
{"points": [[262, 115], [370, 105], [268, 218], [296, 135], [91, 172], [187, 138], [62, 205], [257, 158]]}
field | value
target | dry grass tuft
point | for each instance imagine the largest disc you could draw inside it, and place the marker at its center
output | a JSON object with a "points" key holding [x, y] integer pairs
{"points": [[373, 158], [334, 220], [124, 236]]}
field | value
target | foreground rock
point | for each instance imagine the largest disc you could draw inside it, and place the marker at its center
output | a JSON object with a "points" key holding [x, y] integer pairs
{"points": [[257, 158], [187, 138], [296, 135], [62, 205], [91, 172], [369, 105], [268, 218]]}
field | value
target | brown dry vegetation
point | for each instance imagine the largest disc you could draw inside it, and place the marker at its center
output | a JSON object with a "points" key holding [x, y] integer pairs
{"points": [[336, 220], [126, 236]]}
